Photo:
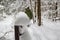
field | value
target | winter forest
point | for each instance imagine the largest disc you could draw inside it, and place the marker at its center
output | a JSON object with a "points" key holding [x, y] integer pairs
{"points": [[29, 19]]}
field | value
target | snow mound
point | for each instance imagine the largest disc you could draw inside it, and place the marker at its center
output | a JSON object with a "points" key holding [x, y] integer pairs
{"points": [[22, 19]]}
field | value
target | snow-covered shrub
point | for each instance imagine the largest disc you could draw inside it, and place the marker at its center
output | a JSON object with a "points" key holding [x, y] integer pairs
{"points": [[29, 13], [22, 20]]}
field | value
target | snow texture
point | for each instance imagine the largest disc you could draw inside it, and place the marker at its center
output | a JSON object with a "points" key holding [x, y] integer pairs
{"points": [[48, 31], [22, 19]]}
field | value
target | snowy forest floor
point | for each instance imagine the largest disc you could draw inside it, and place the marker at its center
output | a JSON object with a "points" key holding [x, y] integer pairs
{"points": [[47, 31]]}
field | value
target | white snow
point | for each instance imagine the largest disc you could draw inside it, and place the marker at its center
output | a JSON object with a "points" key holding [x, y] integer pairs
{"points": [[48, 31], [22, 19], [6, 26]]}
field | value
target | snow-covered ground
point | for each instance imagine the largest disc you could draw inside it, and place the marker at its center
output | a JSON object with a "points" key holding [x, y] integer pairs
{"points": [[48, 31], [6, 28]]}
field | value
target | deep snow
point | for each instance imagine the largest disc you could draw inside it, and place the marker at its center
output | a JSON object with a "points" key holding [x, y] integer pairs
{"points": [[48, 31]]}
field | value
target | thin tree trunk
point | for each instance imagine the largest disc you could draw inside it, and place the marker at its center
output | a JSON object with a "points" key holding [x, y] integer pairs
{"points": [[56, 13], [39, 11]]}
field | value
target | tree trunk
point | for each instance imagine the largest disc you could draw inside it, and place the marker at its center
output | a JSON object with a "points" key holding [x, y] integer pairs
{"points": [[16, 33], [38, 9]]}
